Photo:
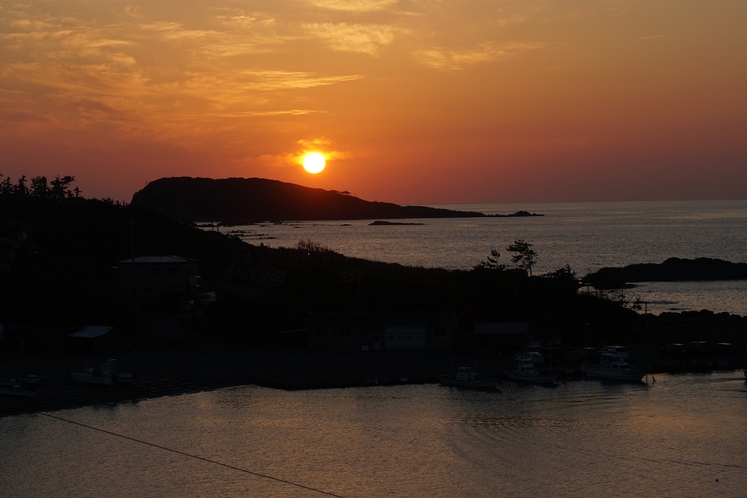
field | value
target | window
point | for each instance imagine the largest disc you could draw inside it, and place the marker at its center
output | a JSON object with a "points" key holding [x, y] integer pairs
{"points": [[321, 331], [440, 330], [172, 271], [345, 331]]}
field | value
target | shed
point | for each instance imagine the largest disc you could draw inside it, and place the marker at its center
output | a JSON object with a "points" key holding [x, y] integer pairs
{"points": [[158, 276], [499, 337], [93, 338]]}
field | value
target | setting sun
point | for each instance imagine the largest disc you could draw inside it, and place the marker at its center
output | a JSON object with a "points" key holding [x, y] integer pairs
{"points": [[314, 162]]}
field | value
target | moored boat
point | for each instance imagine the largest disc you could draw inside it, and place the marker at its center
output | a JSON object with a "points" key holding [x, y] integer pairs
{"points": [[468, 377], [613, 367], [107, 374], [17, 390], [525, 372]]}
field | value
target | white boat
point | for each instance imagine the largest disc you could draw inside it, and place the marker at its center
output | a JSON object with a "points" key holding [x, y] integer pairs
{"points": [[525, 372], [613, 367], [467, 377], [107, 374], [622, 351]]}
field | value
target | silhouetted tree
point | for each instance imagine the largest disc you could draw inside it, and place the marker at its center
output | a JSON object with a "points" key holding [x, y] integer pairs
{"points": [[21, 188], [39, 187], [492, 262], [61, 187], [524, 256], [6, 186], [564, 273]]}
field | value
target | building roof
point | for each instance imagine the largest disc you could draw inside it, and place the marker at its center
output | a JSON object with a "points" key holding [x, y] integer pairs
{"points": [[156, 260], [91, 331], [501, 328]]}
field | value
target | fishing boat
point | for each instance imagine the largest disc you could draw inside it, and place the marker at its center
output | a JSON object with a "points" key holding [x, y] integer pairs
{"points": [[525, 372], [468, 377], [107, 374], [612, 366]]}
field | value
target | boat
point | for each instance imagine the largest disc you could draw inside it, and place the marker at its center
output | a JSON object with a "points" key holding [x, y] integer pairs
{"points": [[21, 379], [618, 350], [17, 390], [107, 374], [468, 377], [525, 372], [613, 367]]}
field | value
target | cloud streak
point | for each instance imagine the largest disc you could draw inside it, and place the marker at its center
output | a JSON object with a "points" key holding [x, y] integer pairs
{"points": [[449, 60]]}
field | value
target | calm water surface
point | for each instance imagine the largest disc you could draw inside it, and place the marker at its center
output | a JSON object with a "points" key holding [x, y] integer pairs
{"points": [[586, 236], [681, 436]]}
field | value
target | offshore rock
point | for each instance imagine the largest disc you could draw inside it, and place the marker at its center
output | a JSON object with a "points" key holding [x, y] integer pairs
{"points": [[671, 270]]}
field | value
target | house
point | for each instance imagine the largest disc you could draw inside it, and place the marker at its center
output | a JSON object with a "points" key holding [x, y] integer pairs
{"points": [[158, 276], [14, 237], [498, 337], [92, 338], [372, 331]]}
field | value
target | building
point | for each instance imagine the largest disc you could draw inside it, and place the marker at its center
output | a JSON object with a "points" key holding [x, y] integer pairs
{"points": [[14, 238], [92, 339], [373, 331], [158, 276], [498, 337]]}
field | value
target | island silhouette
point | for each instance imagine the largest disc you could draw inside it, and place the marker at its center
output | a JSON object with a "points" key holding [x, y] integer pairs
{"points": [[246, 200]]}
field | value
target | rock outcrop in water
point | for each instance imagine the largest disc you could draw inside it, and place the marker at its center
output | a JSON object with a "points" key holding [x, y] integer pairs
{"points": [[671, 270]]}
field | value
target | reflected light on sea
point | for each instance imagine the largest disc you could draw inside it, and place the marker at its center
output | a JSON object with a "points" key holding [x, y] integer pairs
{"points": [[680, 436]]}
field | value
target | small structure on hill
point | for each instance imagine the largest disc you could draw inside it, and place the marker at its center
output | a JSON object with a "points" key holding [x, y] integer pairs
{"points": [[158, 276], [93, 339], [372, 331]]}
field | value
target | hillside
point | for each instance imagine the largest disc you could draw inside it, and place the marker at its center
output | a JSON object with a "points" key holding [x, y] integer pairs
{"points": [[234, 200]]}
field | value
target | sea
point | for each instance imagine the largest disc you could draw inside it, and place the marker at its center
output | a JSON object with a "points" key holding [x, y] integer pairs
{"points": [[585, 236], [675, 435]]}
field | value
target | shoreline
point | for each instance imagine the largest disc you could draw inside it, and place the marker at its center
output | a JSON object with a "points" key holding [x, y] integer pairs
{"points": [[186, 370]]}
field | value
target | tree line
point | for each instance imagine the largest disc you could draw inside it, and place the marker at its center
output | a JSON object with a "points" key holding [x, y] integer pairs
{"points": [[40, 187]]}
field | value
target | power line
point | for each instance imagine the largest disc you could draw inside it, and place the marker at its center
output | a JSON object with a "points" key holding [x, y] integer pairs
{"points": [[189, 455]]}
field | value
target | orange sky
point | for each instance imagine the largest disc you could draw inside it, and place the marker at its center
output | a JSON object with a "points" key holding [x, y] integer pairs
{"points": [[413, 102]]}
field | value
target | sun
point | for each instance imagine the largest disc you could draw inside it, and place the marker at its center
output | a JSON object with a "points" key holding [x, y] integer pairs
{"points": [[314, 162]]}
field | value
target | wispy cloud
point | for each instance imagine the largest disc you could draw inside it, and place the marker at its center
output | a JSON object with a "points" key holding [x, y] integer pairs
{"points": [[353, 5], [361, 38], [447, 60], [314, 142]]}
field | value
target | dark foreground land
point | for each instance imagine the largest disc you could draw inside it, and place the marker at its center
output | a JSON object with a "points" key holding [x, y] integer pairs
{"points": [[62, 275], [196, 365], [193, 364]]}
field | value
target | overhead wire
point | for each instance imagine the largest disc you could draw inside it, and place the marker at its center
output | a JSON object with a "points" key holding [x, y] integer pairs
{"points": [[190, 455]]}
